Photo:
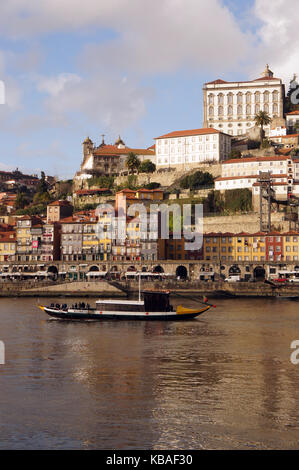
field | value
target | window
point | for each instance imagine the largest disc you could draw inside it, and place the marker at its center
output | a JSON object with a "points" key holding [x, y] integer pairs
{"points": [[211, 99]]}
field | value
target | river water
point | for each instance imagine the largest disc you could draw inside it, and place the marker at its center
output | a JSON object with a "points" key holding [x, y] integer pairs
{"points": [[221, 381]]}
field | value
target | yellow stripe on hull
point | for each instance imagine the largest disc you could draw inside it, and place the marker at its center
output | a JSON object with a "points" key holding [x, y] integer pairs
{"points": [[182, 310], [41, 307]]}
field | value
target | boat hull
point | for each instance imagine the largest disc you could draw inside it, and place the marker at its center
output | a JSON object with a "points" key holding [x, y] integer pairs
{"points": [[95, 315]]}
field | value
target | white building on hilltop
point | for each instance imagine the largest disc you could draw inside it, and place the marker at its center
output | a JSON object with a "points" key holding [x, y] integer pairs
{"points": [[231, 106], [187, 149]]}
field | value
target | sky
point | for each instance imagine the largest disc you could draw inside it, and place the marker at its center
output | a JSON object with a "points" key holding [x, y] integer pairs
{"points": [[133, 68]]}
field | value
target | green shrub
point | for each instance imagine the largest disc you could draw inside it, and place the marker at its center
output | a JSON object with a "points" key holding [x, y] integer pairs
{"points": [[197, 180]]}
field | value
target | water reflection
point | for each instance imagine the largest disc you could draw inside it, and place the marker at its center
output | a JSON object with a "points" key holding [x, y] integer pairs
{"points": [[222, 381]]}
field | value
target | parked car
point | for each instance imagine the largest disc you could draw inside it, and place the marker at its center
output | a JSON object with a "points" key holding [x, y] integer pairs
{"points": [[280, 279], [294, 279], [232, 279]]}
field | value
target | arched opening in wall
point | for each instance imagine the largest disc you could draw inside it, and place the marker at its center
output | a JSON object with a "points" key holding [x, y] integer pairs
{"points": [[259, 273], [53, 271], [93, 268], [158, 269], [181, 272], [144, 269], [131, 269], [114, 273], [234, 269]]}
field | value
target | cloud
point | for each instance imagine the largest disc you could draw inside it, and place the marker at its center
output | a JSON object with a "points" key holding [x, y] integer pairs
{"points": [[174, 34], [151, 39], [278, 33], [110, 101], [157, 36], [56, 84]]}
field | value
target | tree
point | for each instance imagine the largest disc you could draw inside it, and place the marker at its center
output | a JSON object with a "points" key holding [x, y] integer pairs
{"points": [[42, 185], [152, 185], [147, 166], [132, 162], [42, 198], [197, 180], [21, 201], [235, 154], [101, 182], [262, 119]]}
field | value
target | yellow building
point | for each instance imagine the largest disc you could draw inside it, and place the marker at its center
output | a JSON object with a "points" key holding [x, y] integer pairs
{"points": [[227, 247], [96, 246], [291, 246], [7, 246], [256, 247]]}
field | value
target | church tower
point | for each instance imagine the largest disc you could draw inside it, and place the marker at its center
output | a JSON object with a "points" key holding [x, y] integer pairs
{"points": [[267, 73], [87, 147]]}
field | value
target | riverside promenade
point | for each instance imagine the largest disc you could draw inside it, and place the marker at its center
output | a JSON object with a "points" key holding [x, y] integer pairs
{"points": [[130, 288]]}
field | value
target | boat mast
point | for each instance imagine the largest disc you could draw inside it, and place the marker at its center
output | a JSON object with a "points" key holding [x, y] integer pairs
{"points": [[139, 286]]}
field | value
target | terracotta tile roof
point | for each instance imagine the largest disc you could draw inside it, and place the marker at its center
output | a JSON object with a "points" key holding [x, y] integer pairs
{"points": [[60, 202], [113, 150], [219, 81], [142, 190], [294, 113], [255, 159], [265, 78], [126, 191], [225, 178], [79, 219], [284, 136], [273, 184], [7, 237], [190, 132], [246, 234]]}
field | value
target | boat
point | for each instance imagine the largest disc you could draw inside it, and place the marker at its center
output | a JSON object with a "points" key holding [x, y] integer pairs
{"points": [[155, 305]]}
